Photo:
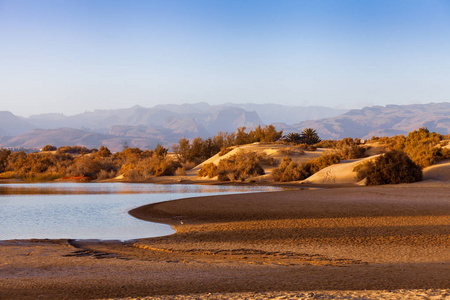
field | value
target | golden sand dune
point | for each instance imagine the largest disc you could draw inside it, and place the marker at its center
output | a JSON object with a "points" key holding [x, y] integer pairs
{"points": [[276, 151], [440, 171], [341, 173]]}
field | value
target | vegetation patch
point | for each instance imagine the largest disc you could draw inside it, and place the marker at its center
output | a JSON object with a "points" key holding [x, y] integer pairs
{"points": [[293, 171], [237, 167], [422, 146], [392, 167]]}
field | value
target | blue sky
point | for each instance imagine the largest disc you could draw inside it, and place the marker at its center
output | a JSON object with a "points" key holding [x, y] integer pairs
{"points": [[75, 56]]}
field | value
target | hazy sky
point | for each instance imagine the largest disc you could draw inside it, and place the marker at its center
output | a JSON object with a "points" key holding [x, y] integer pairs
{"points": [[72, 56]]}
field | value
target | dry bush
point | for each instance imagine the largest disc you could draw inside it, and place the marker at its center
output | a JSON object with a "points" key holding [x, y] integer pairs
{"points": [[292, 151], [103, 174], [73, 150], [209, 170], [292, 171], [240, 166], [303, 146], [289, 170], [287, 151], [9, 175], [392, 167], [150, 167], [419, 145], [349, 148], [49, 148], [225, 150], [327, 144], [180, 171]]}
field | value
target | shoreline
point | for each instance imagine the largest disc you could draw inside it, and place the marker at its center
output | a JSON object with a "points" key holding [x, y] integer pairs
{"points": [[325, 240], [179, 180]]}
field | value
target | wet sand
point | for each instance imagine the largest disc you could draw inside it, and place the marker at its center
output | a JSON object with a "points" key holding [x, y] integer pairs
{"points": [[390, 239]]}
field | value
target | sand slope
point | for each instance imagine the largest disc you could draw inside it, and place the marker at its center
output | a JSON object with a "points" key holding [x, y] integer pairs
{"points": [[276, 151], [439, 172], [341, 173]]}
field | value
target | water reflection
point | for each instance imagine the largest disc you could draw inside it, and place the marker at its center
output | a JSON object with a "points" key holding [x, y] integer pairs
{"points": [[117, 188], [91, 210]]}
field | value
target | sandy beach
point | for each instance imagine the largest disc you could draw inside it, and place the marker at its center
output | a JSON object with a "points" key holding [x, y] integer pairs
{"points": [[389, 242]]}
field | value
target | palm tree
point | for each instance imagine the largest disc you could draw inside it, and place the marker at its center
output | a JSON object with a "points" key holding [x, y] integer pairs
{"points": [[310, 136]]}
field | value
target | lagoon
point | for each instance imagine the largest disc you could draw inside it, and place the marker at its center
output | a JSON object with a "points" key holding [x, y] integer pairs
{"points": [[92, 210]]}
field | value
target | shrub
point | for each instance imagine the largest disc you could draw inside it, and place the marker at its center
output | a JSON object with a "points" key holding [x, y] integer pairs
{"points": [[49, 148], [209, 170], [362, 169], [322, 162], [148, 167], [4, 157], [224, 150], [292, 151], [392, 167], [240, 166], [73, 150], [303, 146], [292, 171], [351, 152], [103, 174], [103, 152], [289, 170], [327, 144], [180, 171], [349, 148], [420, 147]]}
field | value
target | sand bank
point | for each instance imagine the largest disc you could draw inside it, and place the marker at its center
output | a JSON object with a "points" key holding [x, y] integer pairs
{"points": [[383, 239]]}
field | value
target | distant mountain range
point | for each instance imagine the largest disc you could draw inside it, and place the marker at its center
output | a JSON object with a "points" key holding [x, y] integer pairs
{"points": [[166, 124], [146, 127], [380, 121]]}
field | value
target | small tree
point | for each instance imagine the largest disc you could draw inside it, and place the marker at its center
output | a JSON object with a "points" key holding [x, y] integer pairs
{"points": [[182, 150], [160, 151]]}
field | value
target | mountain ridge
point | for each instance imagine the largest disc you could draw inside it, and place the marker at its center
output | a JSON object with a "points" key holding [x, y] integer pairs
{"points": [[386, 120], [166, 124]]}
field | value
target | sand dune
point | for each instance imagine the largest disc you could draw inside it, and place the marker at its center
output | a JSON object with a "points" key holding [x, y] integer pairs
{"points": [[439, 172], [341, 173], [277, 151]]}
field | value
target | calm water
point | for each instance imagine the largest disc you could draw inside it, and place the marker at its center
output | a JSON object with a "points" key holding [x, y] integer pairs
{"points": [[91, 210]]}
